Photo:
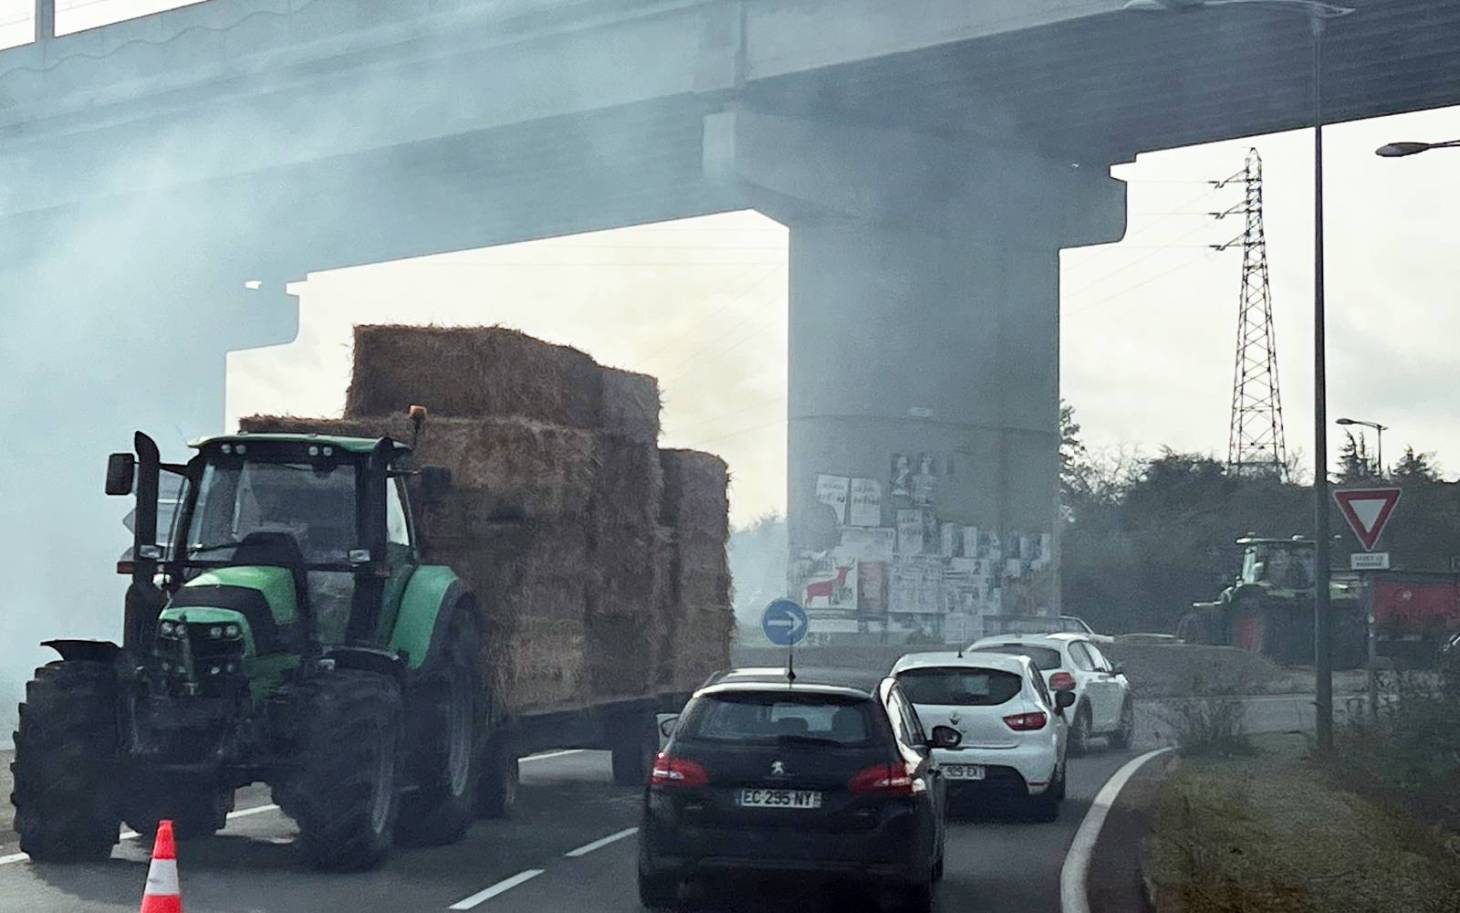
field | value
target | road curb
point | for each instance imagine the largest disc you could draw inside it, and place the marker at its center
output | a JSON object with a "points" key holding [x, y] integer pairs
{"points": [[1074, 874]]}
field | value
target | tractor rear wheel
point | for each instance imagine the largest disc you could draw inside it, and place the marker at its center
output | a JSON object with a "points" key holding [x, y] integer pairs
{"points": [[497, 786], [65, 763], [343, 793], [443, 764]]}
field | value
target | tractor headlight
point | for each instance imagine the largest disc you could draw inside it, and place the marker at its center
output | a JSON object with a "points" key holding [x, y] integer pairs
{"points": [[215, 632], [231, 631], [165, 629]]}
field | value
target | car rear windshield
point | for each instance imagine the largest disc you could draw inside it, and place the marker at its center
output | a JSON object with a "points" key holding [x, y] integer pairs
{"points": [[1045, 659], [963, 687], [754, 718]]}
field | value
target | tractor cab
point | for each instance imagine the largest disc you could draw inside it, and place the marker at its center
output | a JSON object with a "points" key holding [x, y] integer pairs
{"points": [[1277, 564]]}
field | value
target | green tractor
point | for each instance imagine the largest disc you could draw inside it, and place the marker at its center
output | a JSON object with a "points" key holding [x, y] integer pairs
{"points": [[1268, 609], [283, 630]]}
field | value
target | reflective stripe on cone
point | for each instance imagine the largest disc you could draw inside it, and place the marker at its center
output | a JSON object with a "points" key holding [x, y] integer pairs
{"points": [[162, 894]]}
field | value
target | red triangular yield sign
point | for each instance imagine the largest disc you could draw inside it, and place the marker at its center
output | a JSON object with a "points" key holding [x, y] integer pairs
{"points": [[1367, 510]]}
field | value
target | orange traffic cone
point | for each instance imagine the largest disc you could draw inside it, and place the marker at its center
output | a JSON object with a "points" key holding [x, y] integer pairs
{"points": [[162, 894]]}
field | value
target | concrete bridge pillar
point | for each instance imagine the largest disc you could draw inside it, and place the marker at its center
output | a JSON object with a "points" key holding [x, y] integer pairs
{"points": [[45, 19], [924, 352]]}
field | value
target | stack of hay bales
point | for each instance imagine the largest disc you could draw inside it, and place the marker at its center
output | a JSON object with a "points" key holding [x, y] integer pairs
{"points": [[696, 509], [558, 516]]}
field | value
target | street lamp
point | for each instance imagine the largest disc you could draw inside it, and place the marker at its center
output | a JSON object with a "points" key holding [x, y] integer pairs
{"points": [[1378, 428], [1318, 15], [1399, 150]]}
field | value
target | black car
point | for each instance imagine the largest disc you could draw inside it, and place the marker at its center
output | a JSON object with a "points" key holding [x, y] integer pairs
{"points": [[827, 776]]}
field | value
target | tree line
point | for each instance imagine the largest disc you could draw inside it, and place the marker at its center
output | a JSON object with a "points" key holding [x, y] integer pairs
{"points": [[1143, 538]]}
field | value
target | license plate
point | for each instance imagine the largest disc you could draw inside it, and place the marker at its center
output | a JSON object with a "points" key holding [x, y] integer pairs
{"points": [[963, 771], [778, 798]]}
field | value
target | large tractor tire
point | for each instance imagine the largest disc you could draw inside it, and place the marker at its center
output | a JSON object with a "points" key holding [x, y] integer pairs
{"points": [[497, 784], [65, 764], [344, 791], [445, 741]]}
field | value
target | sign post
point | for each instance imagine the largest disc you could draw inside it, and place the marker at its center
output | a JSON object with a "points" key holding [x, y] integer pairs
{"points": [[1367, 511], [785, 623]]}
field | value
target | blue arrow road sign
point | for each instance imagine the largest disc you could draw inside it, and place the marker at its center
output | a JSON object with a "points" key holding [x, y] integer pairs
{"points": [[784, 623]]}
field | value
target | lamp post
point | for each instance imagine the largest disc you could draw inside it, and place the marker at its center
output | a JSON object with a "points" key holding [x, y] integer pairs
{"points": [[1399, 150], [1378, 428], [1318, 15]]}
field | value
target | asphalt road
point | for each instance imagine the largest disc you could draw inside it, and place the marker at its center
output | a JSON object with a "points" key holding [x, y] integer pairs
{"points": [[568, 804]]}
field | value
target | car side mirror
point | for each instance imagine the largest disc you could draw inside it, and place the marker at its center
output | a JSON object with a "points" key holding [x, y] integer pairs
{"points": [[945, 737], [121, 469], [1064, 700], [1117, 669], [435, 482], [666, 727]]}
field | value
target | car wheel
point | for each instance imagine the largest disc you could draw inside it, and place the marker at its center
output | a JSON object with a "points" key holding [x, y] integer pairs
{"points": [[1126, 734], [1080, 732], [1046, 806]]}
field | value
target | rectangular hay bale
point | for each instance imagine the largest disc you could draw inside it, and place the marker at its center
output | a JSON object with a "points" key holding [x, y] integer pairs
{"points": [[472, 371], [631, 405]]}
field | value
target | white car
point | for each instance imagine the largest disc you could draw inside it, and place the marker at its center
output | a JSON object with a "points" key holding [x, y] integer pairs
{"points": [[1013, 727], [1072, 662]]}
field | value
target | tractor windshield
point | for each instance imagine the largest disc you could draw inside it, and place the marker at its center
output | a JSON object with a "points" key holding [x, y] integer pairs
{"points": [[313, 503]]}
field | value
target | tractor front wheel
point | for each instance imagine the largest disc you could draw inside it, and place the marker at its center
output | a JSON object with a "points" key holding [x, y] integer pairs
{"points": [[66, 763], [343, 792]]}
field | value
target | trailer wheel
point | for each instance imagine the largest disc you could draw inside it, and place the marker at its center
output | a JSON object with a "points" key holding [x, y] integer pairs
{"points": [[635, 749], [497, 786], [343, 793], [65, 763], [444, 764]]}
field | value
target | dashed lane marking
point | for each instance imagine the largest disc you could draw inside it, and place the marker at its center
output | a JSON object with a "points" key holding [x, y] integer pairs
{"points": [[600, 843], [500, 887]]}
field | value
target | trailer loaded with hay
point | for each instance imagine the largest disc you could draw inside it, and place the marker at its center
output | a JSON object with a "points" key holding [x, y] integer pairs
{"points": [[379, 614]]}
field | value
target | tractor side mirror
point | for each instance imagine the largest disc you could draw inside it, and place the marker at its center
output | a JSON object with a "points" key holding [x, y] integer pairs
{"points": [[435, 482], [121, 469]]}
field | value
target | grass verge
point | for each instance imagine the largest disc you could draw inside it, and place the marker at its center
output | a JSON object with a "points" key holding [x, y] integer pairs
{"points": [[1272, 832]]}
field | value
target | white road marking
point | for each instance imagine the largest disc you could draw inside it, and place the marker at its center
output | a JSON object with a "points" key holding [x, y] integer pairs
{"points": [[1076, 870], [500, 887], [600, 843], [133, 835], [551, 754]]}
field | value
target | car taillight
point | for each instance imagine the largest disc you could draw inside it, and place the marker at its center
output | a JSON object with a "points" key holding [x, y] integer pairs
{"points": [[1062, 681], [886, 780], [672, 771], [1026, 722]]}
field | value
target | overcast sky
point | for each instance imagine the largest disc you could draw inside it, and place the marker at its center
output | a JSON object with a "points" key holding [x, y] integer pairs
{"points": [[1148, 324]]}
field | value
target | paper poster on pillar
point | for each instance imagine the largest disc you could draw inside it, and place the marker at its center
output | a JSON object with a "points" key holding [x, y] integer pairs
{"points": [[900, 478], [832, 491], [866, 503], [829, 582], [872, 587], [925, 481], [910, 532], [864, 544]]}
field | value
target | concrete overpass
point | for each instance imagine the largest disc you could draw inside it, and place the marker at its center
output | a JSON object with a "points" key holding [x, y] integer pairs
{"points": [[931, 158]]}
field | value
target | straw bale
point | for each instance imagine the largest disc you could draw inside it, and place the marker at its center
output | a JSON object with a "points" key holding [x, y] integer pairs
{"points": [[472, 371], [536, 664], [628, 484], [524, 569], [502, 468], [624, 657], [696, 497], [631, 405]]}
